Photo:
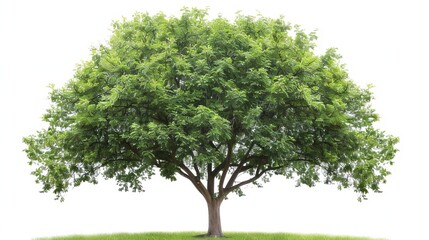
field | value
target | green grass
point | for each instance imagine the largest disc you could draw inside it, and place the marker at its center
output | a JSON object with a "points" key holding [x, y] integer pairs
{"points": [[192, 236]]}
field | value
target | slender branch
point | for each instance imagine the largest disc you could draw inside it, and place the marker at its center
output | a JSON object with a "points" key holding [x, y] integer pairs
{"points": [[183, 174], [240, 168], [187, 171], [197, 171], [218, 168], [132, 148], [225, 168], [258, 174], [248, 151], [214, 146], [235, 174], [106, 162], [230, 187]]}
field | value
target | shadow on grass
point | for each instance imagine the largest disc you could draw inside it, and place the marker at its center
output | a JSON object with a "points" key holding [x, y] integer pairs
{"points": [[207, 236]]}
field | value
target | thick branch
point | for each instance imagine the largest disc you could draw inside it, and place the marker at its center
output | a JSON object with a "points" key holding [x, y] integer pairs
{"points": [[210, 179], [187, 173], [218, 168]]}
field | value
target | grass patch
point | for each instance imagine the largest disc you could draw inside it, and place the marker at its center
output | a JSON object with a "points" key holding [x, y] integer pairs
{"points": [[192, 236]]}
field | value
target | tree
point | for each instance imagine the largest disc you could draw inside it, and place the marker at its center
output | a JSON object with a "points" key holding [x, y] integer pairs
{"points": [[222, 104]]}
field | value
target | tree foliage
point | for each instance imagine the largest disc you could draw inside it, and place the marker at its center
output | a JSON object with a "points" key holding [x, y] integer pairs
{"points": [[227, 102]]}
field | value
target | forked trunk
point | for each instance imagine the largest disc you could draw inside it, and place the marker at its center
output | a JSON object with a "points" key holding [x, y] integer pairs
{"points": [[215, 227]]}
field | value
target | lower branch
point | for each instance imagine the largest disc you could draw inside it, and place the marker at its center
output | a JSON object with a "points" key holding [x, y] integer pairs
{"points": [[185, 172], [227, 161], [258, 174], [197, 171]]}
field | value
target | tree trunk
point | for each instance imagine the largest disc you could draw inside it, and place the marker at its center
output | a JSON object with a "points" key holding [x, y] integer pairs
{"points": [[215, 227]]}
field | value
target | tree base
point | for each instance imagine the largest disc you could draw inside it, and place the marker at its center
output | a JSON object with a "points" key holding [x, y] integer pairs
{"points": [[210, 236]]}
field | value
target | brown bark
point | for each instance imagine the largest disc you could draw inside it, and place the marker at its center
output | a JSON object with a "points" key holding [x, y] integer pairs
{"points": [[215, 227], [214, 200]]}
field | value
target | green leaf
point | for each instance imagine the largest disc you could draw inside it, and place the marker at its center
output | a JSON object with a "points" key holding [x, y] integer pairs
{"points": [[205, 98]]}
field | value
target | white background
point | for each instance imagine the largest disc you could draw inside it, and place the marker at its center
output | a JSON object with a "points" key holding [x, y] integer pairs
{"points": [[382, 42]]}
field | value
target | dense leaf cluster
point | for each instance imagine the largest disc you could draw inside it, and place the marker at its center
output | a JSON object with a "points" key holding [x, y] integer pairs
{"points": [[210, 100]]}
